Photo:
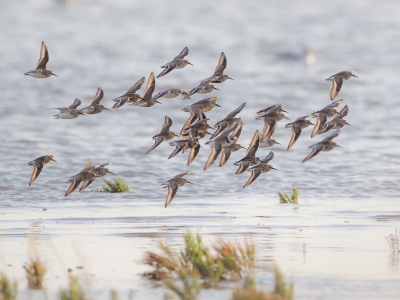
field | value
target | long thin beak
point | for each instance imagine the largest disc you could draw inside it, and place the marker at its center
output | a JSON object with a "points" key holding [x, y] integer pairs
{"points": [[278, 143], [356, 76], [53, 160], [231, 78], [159, 102], [107, 109], [193, 65], [112, 173], [244, 147], [312, 124], [348, 124], [285, 111], [83, 114], [217, 105], [339, 146], [217, 89], [274, 169], [190, 182], [59, 76], [287, 118]]}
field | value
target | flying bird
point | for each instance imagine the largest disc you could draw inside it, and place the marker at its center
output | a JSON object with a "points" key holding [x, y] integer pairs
{"points": [[337, 81], [325, 145], [297, 126], [173, 185], [164, 135], [177, 63], [41, 71], [38, 164], [130, 96]]}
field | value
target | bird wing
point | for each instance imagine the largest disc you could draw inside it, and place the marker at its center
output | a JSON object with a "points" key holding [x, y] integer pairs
{"points": [[63, 109], [167, 125], [225, 155], [269, 157], [168, 68], [201, 115], [150, 87], [137, 86], [335, 104], [319, 124], [183, 53], [236, 111], [178, 149], [316, 149], [332, 136], [254, 175], [181, 175], [269, 128], [97, 98], [190, 120], [85, 184], [222, 62], [343, 113], [193, 153], [296, 131], [74, 184], [336, 86], [172, 189], [220, 128], [35, 173], [120, 102], [157, 141], [243, 166], [44, 57], [328, 126], [255, 141], [76, 103], [215, 151]]}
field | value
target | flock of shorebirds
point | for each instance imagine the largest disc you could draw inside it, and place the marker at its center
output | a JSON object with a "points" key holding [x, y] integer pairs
{"points": [[227, 131]]}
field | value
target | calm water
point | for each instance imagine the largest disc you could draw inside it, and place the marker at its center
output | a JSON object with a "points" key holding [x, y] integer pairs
{"points": [[331, 245]]}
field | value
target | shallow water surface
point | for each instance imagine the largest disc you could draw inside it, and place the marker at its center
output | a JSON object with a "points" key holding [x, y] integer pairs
{"points": [[331, 245]]}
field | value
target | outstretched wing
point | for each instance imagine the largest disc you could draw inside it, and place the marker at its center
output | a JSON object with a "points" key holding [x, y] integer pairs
{"points": [[137, 86], [225, 155], [167, 125], [319, 124], [269, 128], [243, 166], [236, 111], [97, 98], [296, 131], [74, 184], [35, 173], [183, 53], [172, 189], [254, 175], [335, 104], [168, 68], [85, 184], [269, 157], [343, 113], [76, 103], [193, 153], [255, 141], [178, 149], [222, 62], [316, 149], [215, 151], [44, 57], [157, 141], [332, 136], [150, 87], [336, 86]]}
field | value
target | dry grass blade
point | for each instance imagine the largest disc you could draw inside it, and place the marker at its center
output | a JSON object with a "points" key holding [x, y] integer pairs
{"points": [[248, 291], [281, 292], [291, 198], [74, 292], [35, 271], [394, 242], [8, 289], [188, 287]]}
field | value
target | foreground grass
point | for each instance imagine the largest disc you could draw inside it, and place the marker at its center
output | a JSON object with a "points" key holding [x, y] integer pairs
{"points": [[230, 262], [8, 289], [291, 198], [394, 242], [74, 291], [117, 185], [35, 271]]}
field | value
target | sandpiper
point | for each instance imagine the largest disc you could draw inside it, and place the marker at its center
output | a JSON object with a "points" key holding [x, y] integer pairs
{"points": [[130, 96], [173, 93], [95, 107], [190, 143], [273, 108], [200, 126], [337, 122], [41, 71], [219, 76], [227, 137], [269, 143], [203, 88], [227, 151], [38, 164], [147, 99], [250, 158], [77, 179], [177, 63], [262, 167], [325, 145], [323, 115], [174, 184], [270, 123], [297, 126], [69, 112], [229, 119], [100, 171], [337, 81], [206, 105], [163, 135]]}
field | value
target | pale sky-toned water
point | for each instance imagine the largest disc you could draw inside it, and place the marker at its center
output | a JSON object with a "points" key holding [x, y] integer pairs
{"points": [[349, 198]]}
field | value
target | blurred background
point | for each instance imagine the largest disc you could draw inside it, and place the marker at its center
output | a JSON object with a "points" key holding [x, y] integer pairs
{"points": [[277, 52]]}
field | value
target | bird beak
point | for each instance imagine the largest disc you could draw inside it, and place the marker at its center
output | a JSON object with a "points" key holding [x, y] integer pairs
{"points": [[339, 146], [190, 182], [287, 118], [193, 65], [348, 124], [159, 102], [53, 160], [59, 76], [312, 124], [278, 143], [285, 111], [217, 89], [83, 114], [274, 169], [231, 78], [355, 76], [107, 109], [112, 173], [244, 147], [217, 105]]}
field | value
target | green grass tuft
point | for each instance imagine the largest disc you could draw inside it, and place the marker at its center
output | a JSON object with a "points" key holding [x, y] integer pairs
{"points": [[8, 289], [188, 286], [280, 289], [117, 185], [291, 198], [35, 271], [75, 290]]}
